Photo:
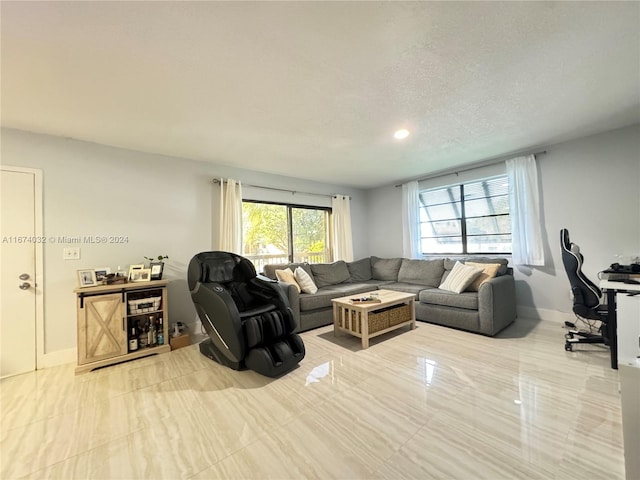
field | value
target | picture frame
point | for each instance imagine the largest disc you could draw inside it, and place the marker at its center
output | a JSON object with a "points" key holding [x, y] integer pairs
{"points": [[133, 268], [140, 275], [156, 270], [87, 278], [101, 273]]}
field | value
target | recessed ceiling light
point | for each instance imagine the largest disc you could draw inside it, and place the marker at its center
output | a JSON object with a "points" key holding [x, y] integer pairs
{"points": [[401, 134]]}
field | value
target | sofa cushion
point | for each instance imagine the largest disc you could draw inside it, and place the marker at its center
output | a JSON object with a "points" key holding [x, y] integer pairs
{"points": [[360, 270], [421, 272], [404, 287], [434, 296], [489, 271], [305, 281], [460, 278], [325, 274], [385, 268], [287, 276], [322, 299]]}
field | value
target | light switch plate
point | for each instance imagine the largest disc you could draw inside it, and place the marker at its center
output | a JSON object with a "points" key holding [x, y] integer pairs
{"points": [[71, 253]]}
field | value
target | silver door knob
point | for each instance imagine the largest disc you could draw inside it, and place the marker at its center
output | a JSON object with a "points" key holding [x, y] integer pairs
{"points": [[25, 286], [24, 276]]}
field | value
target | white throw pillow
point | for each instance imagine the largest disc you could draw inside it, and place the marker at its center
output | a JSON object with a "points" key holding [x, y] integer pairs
{"points": [[460, 277], [305, 281], [287, 276]]}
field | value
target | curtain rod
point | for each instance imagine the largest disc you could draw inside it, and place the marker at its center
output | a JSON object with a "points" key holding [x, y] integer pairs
{"points": [[471, 166], [293, 192]]}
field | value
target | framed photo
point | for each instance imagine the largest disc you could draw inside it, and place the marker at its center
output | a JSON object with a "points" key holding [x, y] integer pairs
{"points": [[101, 273], [156, 270], [133, 268], [141, 275], [87, 278]]}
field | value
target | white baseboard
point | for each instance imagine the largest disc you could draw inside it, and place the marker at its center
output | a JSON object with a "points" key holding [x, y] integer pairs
{"points": [[60, 357], [546, 315]]}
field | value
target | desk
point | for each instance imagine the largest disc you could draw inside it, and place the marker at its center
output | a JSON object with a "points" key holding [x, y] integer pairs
{"points": [[625, 353], [612, 289]]}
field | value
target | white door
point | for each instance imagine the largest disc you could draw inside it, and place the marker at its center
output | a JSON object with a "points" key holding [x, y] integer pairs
{"points": [[18, 271]]}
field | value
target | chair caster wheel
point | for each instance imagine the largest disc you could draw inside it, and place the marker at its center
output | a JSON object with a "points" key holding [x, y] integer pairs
{"points": [[568, 347]]}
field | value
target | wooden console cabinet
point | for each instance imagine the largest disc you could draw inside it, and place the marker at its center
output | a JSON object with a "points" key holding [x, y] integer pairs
{"points": [[107, 315]]}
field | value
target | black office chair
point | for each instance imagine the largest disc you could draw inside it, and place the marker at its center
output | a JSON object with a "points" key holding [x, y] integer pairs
{"points": [[586, 299], [247, 317]]}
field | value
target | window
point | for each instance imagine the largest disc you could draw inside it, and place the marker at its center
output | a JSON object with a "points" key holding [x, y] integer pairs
{"points": [[467, 218], [283, 233]]}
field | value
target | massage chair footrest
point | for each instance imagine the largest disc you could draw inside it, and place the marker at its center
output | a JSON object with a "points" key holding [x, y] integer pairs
{"points": [[276, 358]]}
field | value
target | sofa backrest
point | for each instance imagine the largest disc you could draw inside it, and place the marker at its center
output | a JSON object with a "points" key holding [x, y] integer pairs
{"points": [[422, 272], [428, 272], [325, 274], [360, 270], [385, 268]]}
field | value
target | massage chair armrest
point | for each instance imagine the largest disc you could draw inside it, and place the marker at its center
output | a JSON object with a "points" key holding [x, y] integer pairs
{"points": [[270, 290], [213, 303]]}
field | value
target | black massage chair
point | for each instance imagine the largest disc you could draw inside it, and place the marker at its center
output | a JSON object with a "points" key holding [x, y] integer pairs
{"points": [[247, 317]]}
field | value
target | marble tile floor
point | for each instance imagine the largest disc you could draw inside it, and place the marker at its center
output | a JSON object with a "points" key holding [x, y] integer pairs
{"points": [[431, 403]]}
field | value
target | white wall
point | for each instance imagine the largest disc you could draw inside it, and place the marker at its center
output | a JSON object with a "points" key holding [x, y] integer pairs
{"points": [[590, 186], [161, 204]]}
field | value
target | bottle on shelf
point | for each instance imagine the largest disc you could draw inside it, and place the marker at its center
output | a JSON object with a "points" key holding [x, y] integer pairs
{"points": [[160, 331], [142, 338], [152, 339], [133, 339]]}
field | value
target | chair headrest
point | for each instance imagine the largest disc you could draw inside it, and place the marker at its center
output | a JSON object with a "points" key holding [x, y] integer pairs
{"points": [[219, 267], [244, 270]]}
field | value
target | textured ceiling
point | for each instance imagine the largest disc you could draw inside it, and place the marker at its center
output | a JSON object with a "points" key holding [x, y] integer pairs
{"points": [[316, 89]]}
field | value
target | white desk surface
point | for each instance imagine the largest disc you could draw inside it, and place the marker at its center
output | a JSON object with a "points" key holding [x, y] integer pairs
{"points": [[611, 285]]}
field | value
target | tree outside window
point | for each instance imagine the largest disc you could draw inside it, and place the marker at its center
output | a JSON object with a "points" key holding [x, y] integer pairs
{"points": [[282, 233]]}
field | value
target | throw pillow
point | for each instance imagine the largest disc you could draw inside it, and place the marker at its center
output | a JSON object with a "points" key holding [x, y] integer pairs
{"points": [[460, 278], [489, 270], [305, 281], [287, 276]]}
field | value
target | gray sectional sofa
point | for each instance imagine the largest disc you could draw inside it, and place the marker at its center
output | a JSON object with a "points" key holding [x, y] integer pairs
{"points": [[486, 311]]}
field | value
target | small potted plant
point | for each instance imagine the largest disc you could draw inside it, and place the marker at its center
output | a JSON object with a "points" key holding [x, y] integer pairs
{"points": [[156, 264]]}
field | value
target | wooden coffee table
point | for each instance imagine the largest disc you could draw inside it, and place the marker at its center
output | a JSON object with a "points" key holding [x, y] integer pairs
{"points": [[367, 320]]}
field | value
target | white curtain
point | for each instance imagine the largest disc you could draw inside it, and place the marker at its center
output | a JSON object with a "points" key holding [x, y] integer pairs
{"points": [[411, 220], [230, 239], [524, 203], [341, 227]]}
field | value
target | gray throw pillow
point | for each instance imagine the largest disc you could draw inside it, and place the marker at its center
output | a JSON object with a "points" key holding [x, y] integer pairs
{"points": [[385, 268], [325, 274], [360, 270]]}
